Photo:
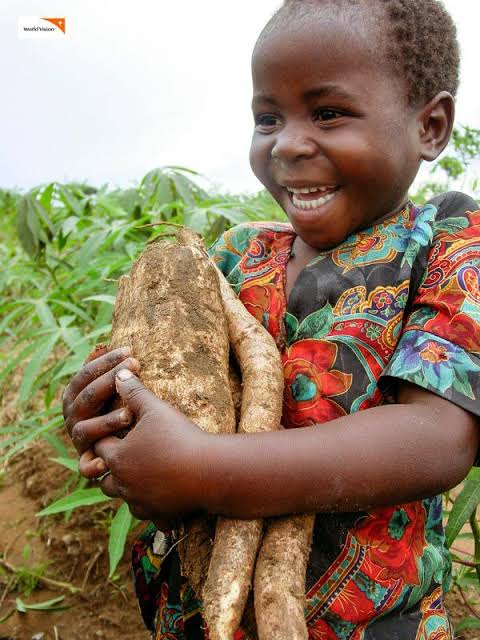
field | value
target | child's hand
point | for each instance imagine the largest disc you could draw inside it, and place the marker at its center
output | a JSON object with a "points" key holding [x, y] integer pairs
{"points": [[154, 468], [89, 393]]}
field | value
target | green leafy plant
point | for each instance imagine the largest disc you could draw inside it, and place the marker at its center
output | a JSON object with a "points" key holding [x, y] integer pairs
{"points": [[46, 605]]}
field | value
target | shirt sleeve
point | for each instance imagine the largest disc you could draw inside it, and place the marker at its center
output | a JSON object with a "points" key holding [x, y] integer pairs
{"points": [[229, 249], [439, 349]]}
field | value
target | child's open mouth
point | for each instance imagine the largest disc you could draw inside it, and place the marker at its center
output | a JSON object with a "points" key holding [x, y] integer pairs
{"points": [[312, 197]]}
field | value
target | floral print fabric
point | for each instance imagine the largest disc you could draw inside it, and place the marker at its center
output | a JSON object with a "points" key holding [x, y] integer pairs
{"points": [[397, 301]]}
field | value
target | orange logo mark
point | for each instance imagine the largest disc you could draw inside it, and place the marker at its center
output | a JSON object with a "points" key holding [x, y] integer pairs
{"points": [[58, 22]]}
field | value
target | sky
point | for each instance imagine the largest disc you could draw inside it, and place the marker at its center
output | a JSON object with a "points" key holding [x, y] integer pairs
{"points": [[138, 85]]}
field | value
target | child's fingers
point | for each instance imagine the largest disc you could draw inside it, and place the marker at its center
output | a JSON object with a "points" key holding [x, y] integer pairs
{"points": [[91, 466], [108, 449], [93, 397], [86, 432], [136, 395], [110, 488], [92, 370]]}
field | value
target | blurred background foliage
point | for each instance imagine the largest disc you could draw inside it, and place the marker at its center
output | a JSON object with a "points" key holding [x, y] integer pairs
{"points": [[64, 246]]}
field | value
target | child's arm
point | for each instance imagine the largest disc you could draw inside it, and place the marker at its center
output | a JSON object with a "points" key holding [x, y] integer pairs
{"points": [[166, 467]]}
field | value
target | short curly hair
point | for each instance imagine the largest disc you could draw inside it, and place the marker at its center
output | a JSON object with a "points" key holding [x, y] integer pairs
{"points": [[421, 40]]}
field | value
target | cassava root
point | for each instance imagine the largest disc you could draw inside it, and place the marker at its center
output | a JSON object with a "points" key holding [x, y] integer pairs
{"points": [[279, 584], [183, 350], [180, 317], [237, 541]]}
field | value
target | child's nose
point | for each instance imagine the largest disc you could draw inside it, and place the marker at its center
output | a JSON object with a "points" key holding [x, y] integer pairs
{"points": [[293, 142]]}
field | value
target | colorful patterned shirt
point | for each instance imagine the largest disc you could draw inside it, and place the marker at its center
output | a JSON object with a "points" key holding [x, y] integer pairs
{"points": [[399, 300]]}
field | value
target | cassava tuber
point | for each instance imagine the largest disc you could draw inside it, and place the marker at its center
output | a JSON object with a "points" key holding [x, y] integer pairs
{"points": [[179, 316], [236, 541], [183, 350]]}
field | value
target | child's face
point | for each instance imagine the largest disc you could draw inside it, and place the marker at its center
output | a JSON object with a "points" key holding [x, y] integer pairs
{"points": [[330, 116]]}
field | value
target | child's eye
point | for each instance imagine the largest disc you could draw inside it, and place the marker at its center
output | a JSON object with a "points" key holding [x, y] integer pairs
{"points": [[328, 114], [266, 121]]}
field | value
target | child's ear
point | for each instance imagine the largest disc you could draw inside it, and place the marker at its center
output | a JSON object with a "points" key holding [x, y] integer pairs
{"points": [[436, 124]]}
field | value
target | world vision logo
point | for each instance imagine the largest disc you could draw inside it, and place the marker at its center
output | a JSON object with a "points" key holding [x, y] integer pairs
{"points": [[58, 22], [37, 27]]}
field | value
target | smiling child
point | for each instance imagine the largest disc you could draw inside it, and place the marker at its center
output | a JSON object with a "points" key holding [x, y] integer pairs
{"points": [[374, 304]]}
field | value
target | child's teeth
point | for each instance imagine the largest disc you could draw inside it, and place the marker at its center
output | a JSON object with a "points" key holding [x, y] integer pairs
{"points": [[312, 204], [310, 189]]}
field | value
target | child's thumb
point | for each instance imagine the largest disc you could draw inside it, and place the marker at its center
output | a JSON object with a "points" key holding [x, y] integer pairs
{"points": [[135, 395]]}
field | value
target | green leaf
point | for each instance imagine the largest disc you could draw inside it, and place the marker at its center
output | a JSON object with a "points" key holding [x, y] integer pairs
{"points": [[110, 207], [79, 498], [467, 623], [28, 227], [75, 308], [465, 504], [46, 605], [4, 324], [101, 331], [57, 444], [185, 188], [317, 325], [69, 225], [177, 167], [233, 216], [30, 434], [43, 216], [129, 199], [46, 197], [89, 249], [157, 189], [466, 580], [101, 298], [66, 194], [45, 314], [45, 348], [70, 463], [74, 363], [118, 536], [21, 608], [12, 365], [71, 337]]}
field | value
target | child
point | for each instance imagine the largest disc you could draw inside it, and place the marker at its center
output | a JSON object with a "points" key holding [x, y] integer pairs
{"points": [[374, 304]]}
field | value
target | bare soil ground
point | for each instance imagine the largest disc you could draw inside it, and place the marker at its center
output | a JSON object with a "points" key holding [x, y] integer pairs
{"points": [[73, 552]]}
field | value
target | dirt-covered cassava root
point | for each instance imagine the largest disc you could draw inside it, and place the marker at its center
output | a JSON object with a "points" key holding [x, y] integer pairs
{"points": [[183, 350], [236, 541], [180, 317], [279, 584]]}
